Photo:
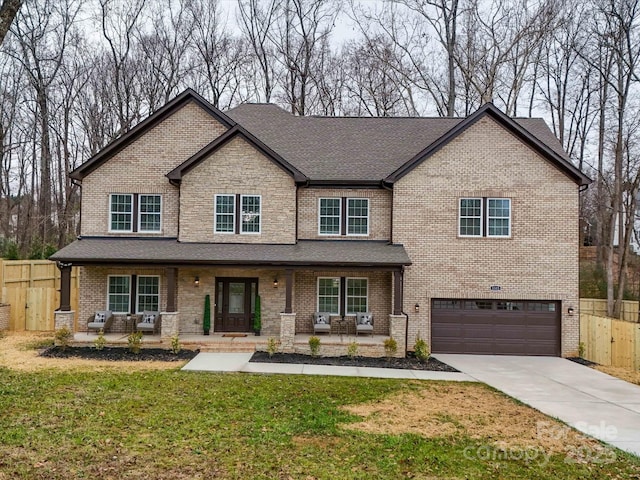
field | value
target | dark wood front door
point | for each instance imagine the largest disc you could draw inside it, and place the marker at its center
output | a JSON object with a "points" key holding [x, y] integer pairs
{"points": [[235, 302]]}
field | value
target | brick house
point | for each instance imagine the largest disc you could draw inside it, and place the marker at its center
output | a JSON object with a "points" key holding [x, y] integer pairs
{"points": [[461, 231]]}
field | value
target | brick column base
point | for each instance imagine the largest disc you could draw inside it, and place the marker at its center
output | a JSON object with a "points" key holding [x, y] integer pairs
{"points": [[287, 332], [169, 325], [397, 331], [64, 319]]}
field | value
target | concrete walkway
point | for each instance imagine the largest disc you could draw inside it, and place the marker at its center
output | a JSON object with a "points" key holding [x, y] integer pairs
{"points": [[597, 404], [239, 362]]}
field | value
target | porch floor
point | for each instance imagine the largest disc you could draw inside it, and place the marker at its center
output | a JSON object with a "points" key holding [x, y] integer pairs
{"points": [[217, 342]]}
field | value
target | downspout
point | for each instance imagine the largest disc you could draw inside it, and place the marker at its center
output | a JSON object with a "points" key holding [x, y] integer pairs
{"points": [[390, 189], [79, 185], [305, 184]]}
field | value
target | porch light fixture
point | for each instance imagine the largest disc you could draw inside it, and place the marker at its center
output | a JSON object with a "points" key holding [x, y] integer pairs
{"points": [[417, 308], [196, 281], [570, 310], [275, 282]]}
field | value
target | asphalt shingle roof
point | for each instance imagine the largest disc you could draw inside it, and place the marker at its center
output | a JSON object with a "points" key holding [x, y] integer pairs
{"points": [[168, 251]]}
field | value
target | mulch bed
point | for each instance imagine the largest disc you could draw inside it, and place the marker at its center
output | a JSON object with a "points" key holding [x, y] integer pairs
{"points": [[119, 354], [409, 363], [582, 361]]}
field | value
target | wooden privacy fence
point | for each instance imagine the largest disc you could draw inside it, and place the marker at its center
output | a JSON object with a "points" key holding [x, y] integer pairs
{"points": [[597, 306], [608, 341], [32, 289]]}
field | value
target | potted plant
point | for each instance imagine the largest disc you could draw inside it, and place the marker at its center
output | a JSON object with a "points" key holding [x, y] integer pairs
{"points": [[257, 317], [206, 321]]}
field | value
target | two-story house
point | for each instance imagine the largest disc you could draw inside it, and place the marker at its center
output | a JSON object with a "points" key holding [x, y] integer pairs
{"points": [[463, 231]]}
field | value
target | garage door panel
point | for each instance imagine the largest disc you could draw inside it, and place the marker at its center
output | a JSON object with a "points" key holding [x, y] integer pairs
{"points": [[498, 330]]}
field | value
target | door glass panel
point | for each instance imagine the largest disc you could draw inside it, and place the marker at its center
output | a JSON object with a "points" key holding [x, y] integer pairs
{"points": [[253, 297], [219, 301], [236, 297]]}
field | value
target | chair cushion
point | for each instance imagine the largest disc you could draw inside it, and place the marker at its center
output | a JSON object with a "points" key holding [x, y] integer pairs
{"points": [[322, 327], [149, 318], [100, 317], [364, 328]]}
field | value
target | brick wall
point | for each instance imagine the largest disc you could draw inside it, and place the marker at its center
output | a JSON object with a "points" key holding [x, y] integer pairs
{"points": [[306, 298], [379, 212], [141, 168], [237, 168], [538, 262]]}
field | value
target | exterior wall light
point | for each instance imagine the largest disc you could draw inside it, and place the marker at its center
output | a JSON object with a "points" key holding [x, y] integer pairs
{"points": [[570, 310], [275, 282], [417, 308], [196, 281]]}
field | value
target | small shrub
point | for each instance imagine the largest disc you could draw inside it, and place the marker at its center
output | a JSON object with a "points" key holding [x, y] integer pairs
{"points": [[581, 349], [135, 342], [273, 346], [390, 347], [352, 350], [63, 337], [314, 345], [421, 350], [100, 342], [175, 345]]}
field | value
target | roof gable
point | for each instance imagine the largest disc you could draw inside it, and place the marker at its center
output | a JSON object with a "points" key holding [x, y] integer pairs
{"points": [[175, 175], [154, 119], [510, 125]]}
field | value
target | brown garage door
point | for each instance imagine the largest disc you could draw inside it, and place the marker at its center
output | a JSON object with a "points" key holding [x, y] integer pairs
{"points": [[497, 327]]}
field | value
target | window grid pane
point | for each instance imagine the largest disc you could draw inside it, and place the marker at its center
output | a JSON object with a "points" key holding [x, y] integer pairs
{"points": [[329, 295], [358, 216], [121, 212], [150, 207], [470, 216], [251, 214], [119, 294], [498, 217], [148, 294], [225, 213], [357, 289], [330, 216]]}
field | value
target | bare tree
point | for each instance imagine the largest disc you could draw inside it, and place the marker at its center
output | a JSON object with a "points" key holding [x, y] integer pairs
{"points": [[8, 11]]}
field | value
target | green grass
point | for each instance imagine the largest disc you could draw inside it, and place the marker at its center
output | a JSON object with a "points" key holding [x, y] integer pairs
{"points": [[175, 425]]}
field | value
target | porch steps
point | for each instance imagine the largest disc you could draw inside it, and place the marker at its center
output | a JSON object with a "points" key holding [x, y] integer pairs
{"points": [[228, 347]]}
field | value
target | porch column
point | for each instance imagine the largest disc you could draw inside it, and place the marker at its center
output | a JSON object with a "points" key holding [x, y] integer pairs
{"points": [[288, 305], [65, 286], [171, 289], [397, 292]]}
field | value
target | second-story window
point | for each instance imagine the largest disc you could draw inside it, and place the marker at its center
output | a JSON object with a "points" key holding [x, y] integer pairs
{"points": [[343, 216], [135, 212], [484, 217], [235, 213]]}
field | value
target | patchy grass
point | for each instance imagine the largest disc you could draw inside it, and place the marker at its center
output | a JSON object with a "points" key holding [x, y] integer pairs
{"points": [[631, 376], [64, 420]]}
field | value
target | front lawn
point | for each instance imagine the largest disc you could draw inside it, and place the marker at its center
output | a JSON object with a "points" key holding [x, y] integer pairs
{"points": [[167, 424]]}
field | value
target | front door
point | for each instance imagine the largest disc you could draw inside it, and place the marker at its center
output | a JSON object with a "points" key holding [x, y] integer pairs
{"points": [[235, 304]]}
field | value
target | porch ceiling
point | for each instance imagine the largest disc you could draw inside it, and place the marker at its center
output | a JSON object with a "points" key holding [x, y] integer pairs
{"points": [[170, 252]]}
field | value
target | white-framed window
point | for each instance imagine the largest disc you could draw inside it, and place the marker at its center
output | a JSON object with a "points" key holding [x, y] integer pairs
{"points": [[357, 216], [329, 295], [251, 213], [121, 212], [329, 216], [135, 212], [343, 216], [148, 293], [484, 217], [119, 293], [225, 213], [357, 295], [150, 213], [331, 299]]}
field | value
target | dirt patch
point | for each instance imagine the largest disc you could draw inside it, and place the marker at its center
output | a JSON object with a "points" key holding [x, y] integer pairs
{"points": [[408, 363], [473, 410], [21, 351], [631, 376]]}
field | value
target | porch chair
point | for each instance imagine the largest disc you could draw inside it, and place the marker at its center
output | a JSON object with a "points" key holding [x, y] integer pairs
{"points": [[150, 322], [102, 320], [321, 322], [364, 323]]}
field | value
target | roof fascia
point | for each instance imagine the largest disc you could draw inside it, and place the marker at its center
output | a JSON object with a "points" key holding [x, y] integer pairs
{"points": [[154, 119], [507, 122], [175, 175]]}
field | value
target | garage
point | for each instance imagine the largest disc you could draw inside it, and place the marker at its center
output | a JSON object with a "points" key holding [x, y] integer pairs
{"points": [[495, 327]]}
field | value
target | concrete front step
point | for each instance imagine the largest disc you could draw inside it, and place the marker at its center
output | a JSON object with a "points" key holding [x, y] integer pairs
{"points": [[228, 347]]}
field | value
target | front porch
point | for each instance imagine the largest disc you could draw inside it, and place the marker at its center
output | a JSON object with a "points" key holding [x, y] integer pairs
{"points": [[330, 345]]}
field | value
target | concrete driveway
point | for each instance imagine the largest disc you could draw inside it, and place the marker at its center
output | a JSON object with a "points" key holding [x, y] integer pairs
{"points": [[599, 405]]}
